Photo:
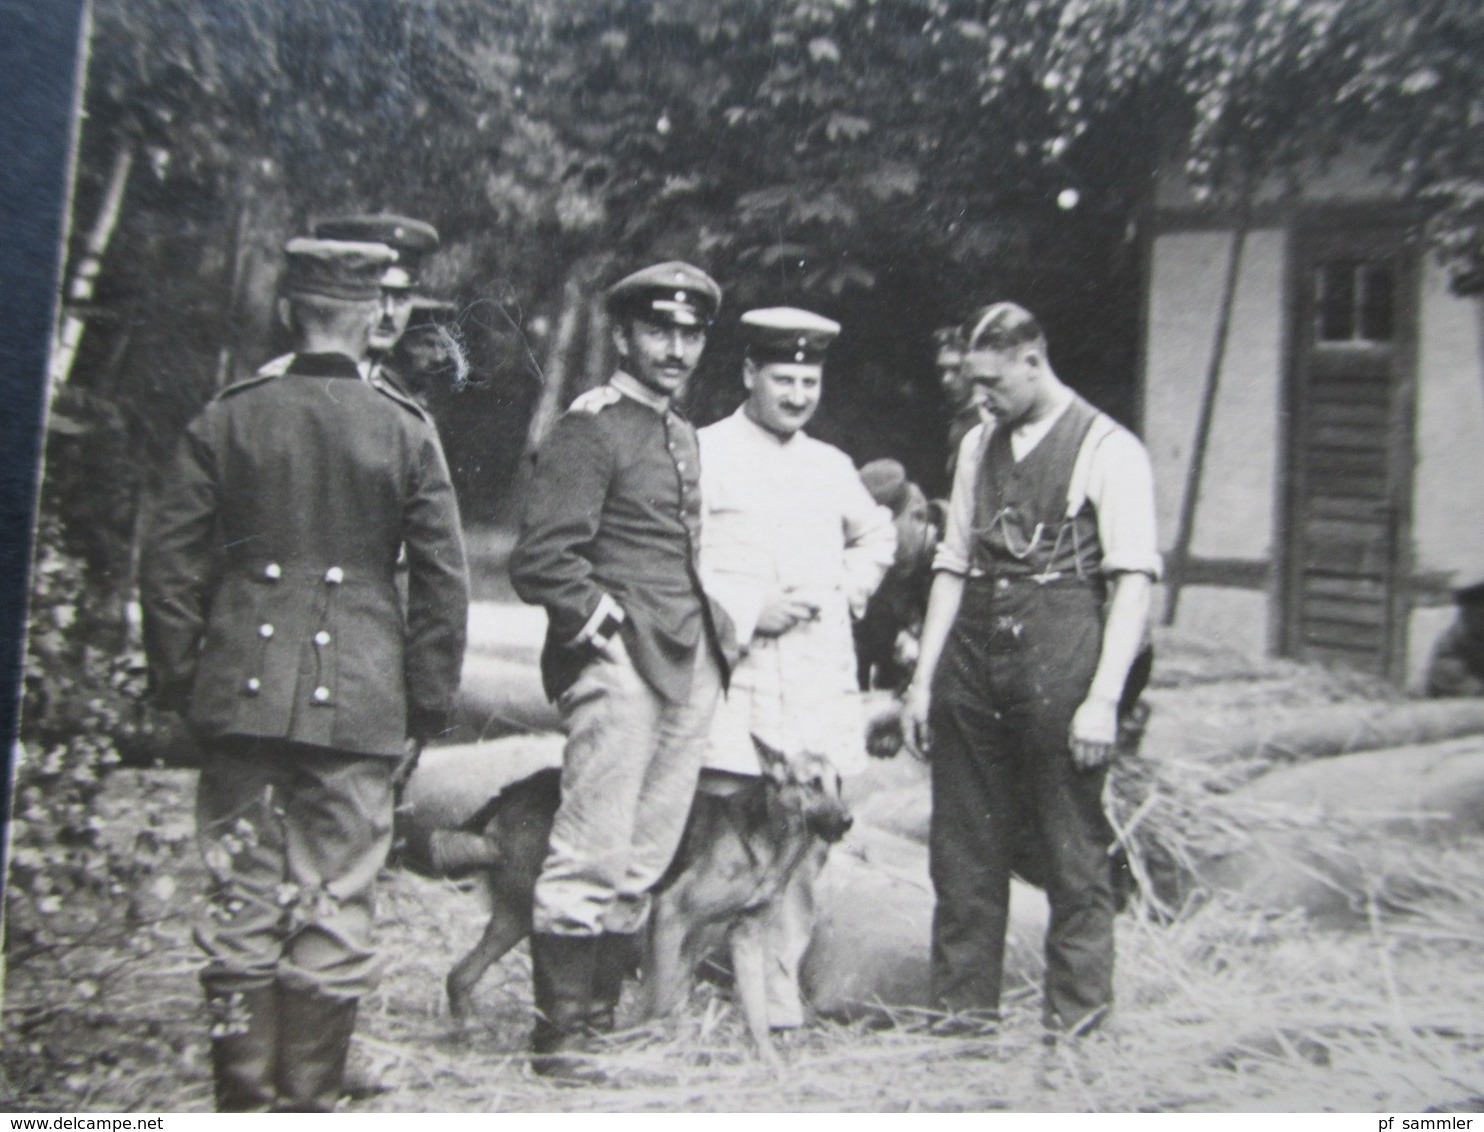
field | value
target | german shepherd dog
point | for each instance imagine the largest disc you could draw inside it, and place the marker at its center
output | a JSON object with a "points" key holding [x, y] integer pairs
{"points": [[737, 854]]}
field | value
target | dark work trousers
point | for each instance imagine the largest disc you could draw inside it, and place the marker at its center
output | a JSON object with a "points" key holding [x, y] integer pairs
{"points": [[1006, 794]]}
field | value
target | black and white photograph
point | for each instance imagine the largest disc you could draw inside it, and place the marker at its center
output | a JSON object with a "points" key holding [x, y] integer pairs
{"points": [[753, 556]]}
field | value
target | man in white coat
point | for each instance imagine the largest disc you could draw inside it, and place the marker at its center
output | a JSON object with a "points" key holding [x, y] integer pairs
{"points": [[792, 546]]}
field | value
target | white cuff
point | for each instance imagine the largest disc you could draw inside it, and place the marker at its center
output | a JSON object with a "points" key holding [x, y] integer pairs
{"points": [[607, 608]]}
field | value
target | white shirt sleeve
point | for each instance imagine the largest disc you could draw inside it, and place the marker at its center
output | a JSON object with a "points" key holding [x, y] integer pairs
{"points": [[1120, 483], [953, 552]]}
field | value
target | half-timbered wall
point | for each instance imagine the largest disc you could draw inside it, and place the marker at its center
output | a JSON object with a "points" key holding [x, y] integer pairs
{"points": [[1239, 583], [1225, 597]]}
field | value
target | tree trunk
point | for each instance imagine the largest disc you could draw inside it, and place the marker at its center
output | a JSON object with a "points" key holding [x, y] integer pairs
{"points": [[595, 363], [85, 275], [558, 363]]}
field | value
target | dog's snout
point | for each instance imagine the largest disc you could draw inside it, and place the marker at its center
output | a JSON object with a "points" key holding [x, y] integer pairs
{"points": [[832, 824]]}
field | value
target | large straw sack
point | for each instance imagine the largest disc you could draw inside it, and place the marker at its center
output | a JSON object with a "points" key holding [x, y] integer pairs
{"points": [[1333, 836], [507, 629], [1185, 726], [498, 696], [451, 784], [501, 692], [892, 794], [871, 947]]}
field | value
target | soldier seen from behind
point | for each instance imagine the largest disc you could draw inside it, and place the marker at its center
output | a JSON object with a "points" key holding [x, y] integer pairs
{"points": [[273, 623]]}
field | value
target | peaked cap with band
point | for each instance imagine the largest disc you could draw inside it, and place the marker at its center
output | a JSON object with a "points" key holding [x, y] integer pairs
{"points": [[788, 334], [335, 269], [668, 294], [411, 239]]}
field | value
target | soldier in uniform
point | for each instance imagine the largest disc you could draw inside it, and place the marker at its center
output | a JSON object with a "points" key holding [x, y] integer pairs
{"points": [[886, 635], [273, 622], [411, 241], [635, 656], [792, 546], [1037, 613], [428, 361]]}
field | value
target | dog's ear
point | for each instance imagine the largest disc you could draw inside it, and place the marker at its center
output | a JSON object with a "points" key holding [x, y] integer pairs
{"points": [[774, 761]]}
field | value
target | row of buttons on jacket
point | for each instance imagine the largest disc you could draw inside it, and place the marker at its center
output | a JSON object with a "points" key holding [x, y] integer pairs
{"points": [[333, 576], [321, 694], [273, 572]]}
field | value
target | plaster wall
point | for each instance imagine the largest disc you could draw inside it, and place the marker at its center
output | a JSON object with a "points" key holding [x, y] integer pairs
{"points": [[1448, 486], [1238, 493], [1221, 617]]}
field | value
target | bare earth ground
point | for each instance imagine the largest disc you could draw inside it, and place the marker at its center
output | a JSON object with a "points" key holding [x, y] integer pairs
{"points": [[1225, 1009]]}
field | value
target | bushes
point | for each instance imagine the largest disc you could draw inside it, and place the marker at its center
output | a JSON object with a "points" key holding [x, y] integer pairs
{"points": [[87, 893]]}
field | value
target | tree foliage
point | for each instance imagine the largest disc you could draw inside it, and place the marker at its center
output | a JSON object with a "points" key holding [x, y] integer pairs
{"points": [[865, 155]]}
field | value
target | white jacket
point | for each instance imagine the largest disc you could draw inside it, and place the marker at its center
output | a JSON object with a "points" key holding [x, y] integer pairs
{"points": [[789, 515]]}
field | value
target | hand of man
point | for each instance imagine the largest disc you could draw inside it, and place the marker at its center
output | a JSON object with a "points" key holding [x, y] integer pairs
{"points": [[782, 612], [1094, 731], [915, 705]]}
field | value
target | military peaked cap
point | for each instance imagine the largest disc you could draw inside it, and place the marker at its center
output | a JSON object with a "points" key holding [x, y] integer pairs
{"points": [[432, 312], [410, 239], [336, 269], [788, 334], [670, 294]]}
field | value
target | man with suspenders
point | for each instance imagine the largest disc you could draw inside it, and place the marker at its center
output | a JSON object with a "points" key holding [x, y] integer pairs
{"points": [[1038, 610]]}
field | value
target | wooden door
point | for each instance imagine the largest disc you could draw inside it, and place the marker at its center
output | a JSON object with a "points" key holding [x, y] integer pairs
{"points": [[1350, 447]]}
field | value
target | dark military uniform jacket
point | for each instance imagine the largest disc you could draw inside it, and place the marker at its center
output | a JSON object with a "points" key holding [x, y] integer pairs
{"points": [[614, 509], [270, 605]]}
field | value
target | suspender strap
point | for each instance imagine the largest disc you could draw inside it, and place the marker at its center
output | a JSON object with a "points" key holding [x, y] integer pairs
{"points": [[1102, 427]]}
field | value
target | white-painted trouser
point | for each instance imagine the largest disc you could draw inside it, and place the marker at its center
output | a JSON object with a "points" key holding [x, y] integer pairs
{"points": [[628, 779]]}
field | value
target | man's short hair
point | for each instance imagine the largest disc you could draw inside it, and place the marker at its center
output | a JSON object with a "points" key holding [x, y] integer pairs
{"points": [[1002, 326], [340, 315]]}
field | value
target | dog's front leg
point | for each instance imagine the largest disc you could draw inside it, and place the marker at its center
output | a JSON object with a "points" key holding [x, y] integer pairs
{"points": [[666, 975], [749, 970]]}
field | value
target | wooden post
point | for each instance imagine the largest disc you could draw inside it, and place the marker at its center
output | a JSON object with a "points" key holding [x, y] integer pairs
{"points": [[1179, 559]]}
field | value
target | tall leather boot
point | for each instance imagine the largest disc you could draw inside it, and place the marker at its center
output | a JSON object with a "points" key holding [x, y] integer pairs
{"points": [[617, 959], [244, 1048], [314, 1041], [564, 977]]}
